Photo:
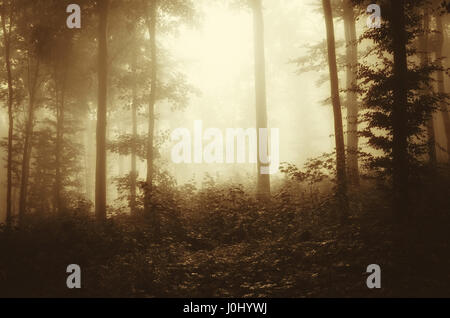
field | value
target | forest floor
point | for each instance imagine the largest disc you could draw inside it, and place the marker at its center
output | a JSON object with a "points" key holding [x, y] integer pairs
{"points": [[331, 264], [280, 257]]}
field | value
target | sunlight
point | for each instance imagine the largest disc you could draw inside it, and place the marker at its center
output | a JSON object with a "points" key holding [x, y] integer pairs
{"points": [[217, 51]]}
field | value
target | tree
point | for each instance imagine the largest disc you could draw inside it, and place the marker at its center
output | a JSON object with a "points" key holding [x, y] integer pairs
{"points": [[397, 101], [152, 17], [338, 129], [440, 79], [352, 97], [150, 20], [132, 76], [399, 108], [134, 107], [7, 52], [100, 172], [60, 78], [34, 29], [60, 63], [32, 89], [263, 180], [424, 61]]}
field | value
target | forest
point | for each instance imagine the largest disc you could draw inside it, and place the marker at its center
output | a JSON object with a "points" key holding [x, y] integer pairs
{"points": [[224, 148]]}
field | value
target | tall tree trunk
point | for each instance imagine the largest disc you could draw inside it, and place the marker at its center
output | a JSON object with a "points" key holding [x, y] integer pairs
{"points": [[120, 163], [100, 169], [440, 78], [338, 129], [88, 157], [263, 180], [424, 61], [399, 113], [352, 97], [7, 52], [60, 98], [27, 146], [151, 25], [133, 173], [14, 200]]}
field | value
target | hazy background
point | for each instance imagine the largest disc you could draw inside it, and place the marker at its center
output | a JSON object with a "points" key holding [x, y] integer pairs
{"points": [[216, 56]]}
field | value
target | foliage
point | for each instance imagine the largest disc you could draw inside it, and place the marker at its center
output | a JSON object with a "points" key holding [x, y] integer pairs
{"points": [[377, 84], [218, 242]]}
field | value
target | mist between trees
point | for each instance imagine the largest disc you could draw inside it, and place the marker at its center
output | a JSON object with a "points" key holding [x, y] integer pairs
{"points": [[352, 167]]}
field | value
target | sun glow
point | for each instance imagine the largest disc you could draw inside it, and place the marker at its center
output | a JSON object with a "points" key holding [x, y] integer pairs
{"points": [[216, 52], [217, 57]]}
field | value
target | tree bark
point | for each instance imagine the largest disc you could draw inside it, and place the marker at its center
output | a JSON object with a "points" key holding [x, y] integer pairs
{"points": [[27, 147], [88, 158], [100, 172], [399, 112], [7, 52], [352, 97], [440, 81], [424, 61], [263, 180], [60, 98], [151, 25], [338, 129], [133, 173]]}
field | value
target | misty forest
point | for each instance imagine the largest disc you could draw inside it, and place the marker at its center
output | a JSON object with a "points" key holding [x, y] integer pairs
{"points": [[117, 154]]}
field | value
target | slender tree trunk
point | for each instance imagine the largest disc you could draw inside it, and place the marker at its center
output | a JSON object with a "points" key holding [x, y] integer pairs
{"points": [[424, 61], [60, 98], [133, 174], [263, 180], [27, 146], [88, 158], [399, 114], [338, 129], [14, 200], [440, 79], [100, 169], [151, 25], [352, 97], [7, 51], [59, 147], [120, 165]]}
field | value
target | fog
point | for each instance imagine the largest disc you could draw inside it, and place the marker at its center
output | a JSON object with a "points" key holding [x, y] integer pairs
{"points": [[217, 58]]}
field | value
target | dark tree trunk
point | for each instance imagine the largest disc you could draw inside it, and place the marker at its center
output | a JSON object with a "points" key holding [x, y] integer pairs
{"points": [[60, 98], [440, 78], [352, 97], [399, 111], [263, 180], [89, 135], [424, 61], [7, 52], [100, 170], [151, 25], [133, 174], [338, 129], [27, 145]]}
